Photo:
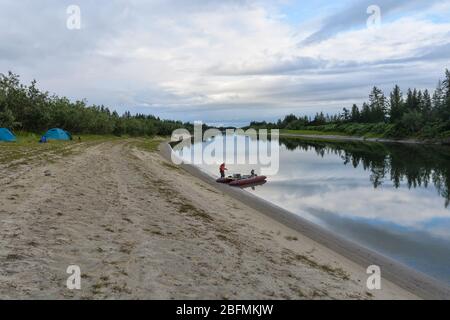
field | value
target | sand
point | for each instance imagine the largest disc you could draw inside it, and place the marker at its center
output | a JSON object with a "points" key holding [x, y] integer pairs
{"points": [[140, 228]]}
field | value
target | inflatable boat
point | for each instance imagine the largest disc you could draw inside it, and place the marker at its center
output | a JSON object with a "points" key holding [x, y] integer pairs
{"points": [[239, 180], [247, 180], [253, 185], [225, 180]]}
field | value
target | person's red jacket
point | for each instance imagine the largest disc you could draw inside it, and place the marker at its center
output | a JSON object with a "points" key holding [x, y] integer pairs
{"points": [[222, 167]]}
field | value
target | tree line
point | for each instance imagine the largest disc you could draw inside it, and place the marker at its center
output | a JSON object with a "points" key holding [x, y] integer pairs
{"points": [[415, 113], [26, 108]]}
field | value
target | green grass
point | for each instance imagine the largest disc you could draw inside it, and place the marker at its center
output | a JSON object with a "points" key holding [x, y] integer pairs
{"points": [[371, 130], [312, 132], [313, 138], [27, 148], [364, 130], [149, 144], [27, 138], [445, 135]]}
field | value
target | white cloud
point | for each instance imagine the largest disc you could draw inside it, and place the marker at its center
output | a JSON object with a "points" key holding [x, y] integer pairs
{"points": [[403, 38], [172, 56]]}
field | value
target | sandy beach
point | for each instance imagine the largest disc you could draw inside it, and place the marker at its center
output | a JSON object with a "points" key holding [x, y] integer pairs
{"points": [[142, 228]]}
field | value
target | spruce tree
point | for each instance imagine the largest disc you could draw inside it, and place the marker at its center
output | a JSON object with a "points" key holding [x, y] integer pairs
{"points": [[438, 100], [378, 108], [426, 106], [355, 115], [365, 113], [446, 97], [397, 104]]}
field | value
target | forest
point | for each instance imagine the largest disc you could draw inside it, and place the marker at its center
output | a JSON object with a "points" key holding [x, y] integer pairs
{"points": [[415, 114], [418, 114], [26, 108]]}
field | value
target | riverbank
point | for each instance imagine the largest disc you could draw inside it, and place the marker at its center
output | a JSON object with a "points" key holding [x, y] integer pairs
{"points": [[142, 228], [355, 138]]}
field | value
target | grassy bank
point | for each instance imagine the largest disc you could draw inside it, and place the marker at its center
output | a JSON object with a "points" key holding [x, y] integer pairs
{"points": [[150, 144], [371, 130], [312, 132], [27, 149], [28, 138]]}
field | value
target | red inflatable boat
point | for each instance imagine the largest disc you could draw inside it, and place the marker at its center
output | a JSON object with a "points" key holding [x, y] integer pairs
{"points": [[247, 180], [225, 180], [244, 180]]}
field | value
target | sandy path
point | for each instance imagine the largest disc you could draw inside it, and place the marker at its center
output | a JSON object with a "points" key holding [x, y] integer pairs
{"points": [[140, 228]]}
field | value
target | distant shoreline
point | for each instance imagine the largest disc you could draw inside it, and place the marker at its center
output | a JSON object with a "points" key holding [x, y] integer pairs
{"points": [[360, 139], [405, 277]]}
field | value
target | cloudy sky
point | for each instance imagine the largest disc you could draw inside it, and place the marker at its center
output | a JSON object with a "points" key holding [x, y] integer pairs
{"points": [[225, 61]]}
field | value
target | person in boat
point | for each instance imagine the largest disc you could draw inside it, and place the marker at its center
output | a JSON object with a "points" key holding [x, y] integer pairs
{"points": [[252, 173], [222, 170]]}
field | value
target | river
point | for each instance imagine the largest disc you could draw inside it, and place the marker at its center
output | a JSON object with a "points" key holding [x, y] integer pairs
{"points": [[391, 198]]}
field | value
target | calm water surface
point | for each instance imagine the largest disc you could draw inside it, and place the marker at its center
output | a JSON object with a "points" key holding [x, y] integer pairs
{"points": [[391, 198]]}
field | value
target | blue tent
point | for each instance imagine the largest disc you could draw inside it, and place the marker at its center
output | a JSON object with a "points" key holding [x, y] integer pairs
{"points": [[57, 134], [6, 135]]}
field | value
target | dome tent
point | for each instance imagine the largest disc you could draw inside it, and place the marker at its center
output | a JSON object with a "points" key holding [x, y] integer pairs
{"points": [[57, 134], [6, 135]]}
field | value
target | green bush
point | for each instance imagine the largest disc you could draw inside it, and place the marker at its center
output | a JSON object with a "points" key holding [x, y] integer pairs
{"points": [[412, 121]]}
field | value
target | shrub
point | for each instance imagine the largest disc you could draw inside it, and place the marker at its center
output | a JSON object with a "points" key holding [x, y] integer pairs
{"points": [[412, 121]]}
